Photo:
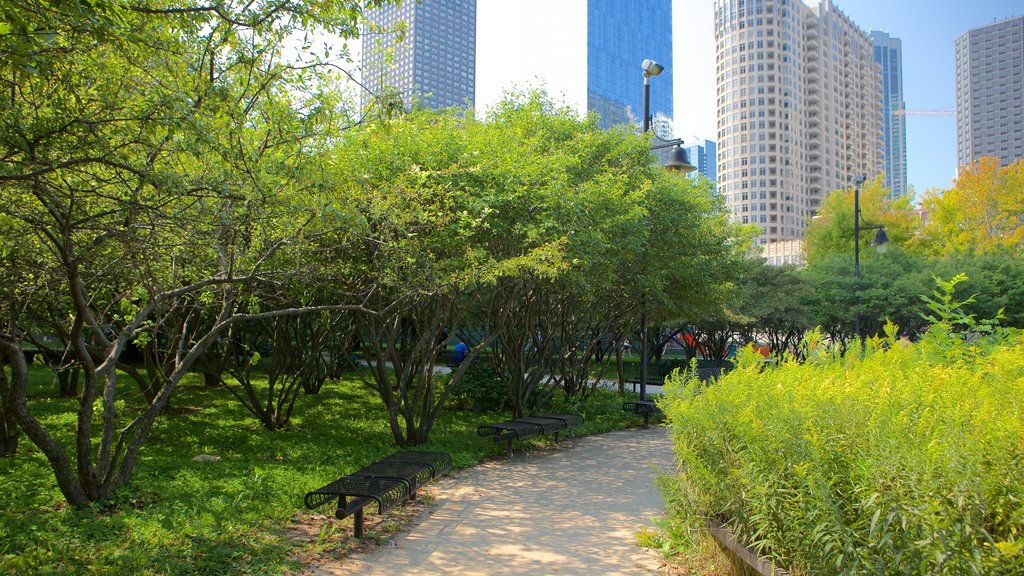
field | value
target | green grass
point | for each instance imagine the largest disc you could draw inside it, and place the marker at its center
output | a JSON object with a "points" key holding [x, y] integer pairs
{"points": [[179, 516]]}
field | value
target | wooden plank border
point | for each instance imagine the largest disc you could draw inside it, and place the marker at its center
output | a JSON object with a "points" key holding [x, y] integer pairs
{"points": [[763, 566]]}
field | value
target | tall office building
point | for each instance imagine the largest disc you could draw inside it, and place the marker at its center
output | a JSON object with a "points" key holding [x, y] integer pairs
{"points": [[621, 35], [990, 92], [799, 110], [703, 157], [889, 55], [426, 50]]}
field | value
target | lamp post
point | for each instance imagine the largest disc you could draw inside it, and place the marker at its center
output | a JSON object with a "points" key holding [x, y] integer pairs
{"points": [[881, 239], [678, 161]]}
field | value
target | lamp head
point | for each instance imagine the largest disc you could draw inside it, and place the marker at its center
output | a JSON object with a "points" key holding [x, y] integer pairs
{"points": [[678, 161], [651, 68], [881, 240]]}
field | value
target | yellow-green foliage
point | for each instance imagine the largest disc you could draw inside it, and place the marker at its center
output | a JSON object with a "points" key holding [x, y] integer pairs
{"points": [[900, 462]]}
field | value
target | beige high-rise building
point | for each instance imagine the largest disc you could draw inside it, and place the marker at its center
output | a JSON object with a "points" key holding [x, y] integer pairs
{"points": [[799, 110]]}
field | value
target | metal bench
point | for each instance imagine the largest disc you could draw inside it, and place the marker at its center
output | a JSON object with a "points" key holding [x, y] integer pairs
{"points": [[529, 427], [387, 482], [645, 408]]}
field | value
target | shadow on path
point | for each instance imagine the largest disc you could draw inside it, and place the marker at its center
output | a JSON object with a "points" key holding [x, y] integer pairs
{"points": [[572, 510]]}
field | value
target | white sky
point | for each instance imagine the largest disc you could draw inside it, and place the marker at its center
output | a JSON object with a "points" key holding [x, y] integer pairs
{"points": [[534, 43], [525, 44]]}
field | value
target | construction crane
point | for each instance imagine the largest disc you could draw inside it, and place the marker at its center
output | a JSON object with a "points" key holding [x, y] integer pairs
{"points": [[923, 112]]}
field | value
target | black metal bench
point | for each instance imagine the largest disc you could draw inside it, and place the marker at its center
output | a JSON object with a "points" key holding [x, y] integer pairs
{"points": [[645, 408], [387, 482], [529, 427]]}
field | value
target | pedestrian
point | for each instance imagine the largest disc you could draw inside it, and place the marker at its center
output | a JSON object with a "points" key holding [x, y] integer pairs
{"points": [[460, 353]]}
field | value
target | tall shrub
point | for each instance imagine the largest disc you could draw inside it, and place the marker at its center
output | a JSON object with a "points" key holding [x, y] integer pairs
{"points": [[908, 459]]}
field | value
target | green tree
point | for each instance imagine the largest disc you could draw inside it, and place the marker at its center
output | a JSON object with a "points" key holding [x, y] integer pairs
{"points": [[995, 279], [831, 231], [159, 158], [776, 299], [890, 289], [419, 185]]}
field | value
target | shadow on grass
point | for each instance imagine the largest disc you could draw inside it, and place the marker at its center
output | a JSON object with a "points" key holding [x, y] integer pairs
{"points": [[226, 515]]}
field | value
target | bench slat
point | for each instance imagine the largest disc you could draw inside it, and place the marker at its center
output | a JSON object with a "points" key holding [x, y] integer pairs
{"points": [[569, 419], [439, 462], [412, 473], [385, 491], [517, 428], [547, 425]]}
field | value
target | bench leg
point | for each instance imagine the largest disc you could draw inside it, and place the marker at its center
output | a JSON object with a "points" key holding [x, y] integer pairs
{"points": [[509, 450], [357, 522], [556, 436]]}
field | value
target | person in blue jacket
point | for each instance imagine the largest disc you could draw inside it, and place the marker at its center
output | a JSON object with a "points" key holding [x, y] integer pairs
{"points": [[460, 353]]}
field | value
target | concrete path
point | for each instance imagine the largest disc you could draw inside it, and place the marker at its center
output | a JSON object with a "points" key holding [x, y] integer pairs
{"points": [[574, 509]]}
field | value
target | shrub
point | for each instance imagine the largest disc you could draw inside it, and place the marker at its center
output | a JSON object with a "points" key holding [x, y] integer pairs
{"points": [[482, 389], [908, 459]]}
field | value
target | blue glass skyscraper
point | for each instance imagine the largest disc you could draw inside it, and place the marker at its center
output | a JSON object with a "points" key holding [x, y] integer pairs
{"points": [[704, 157], [620, 35], [889, 55]]}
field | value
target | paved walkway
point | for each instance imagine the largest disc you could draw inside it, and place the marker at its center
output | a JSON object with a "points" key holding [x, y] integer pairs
{"points": [[574, 509]]}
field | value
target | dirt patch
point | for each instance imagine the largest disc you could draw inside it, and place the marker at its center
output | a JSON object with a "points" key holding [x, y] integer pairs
{"points": [[323, 541]]}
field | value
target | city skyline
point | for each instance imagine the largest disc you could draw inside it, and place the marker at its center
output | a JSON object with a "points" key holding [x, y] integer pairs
{"points": [[927, 29]]}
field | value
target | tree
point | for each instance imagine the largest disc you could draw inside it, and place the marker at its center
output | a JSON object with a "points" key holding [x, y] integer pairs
{"points": [[776, 301], [994, 279], [298, 359], [831, 231], [983, 212], [890, 289], [567, 191], [159, 158], [414, 182]]}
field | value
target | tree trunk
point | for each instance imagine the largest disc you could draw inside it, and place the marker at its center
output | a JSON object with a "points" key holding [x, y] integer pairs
{"points": [[68, 382], [9, 431], [17, 389], [619, 368]]}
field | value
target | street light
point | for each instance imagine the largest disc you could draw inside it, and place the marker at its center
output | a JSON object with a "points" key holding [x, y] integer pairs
{"points": [[677, 161], [881, 239]]}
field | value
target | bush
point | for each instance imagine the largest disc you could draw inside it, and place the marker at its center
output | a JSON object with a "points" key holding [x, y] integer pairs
{"points": [[481, 388], [908, 460]]}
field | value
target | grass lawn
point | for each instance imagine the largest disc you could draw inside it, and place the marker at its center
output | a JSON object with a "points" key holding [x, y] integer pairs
{"points": [[241, 514]]}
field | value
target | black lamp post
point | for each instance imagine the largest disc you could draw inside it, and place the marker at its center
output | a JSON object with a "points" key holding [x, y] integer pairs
{"points": [[881, 239], [677, 161]]}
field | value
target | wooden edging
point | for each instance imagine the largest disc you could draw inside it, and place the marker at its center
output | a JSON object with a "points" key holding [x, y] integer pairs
{"points": [[724, 536]]}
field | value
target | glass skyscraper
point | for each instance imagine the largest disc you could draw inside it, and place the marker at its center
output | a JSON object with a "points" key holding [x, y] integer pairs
{"points": [[620, 35], [434, 64], [889, 55], [703, 157]]}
